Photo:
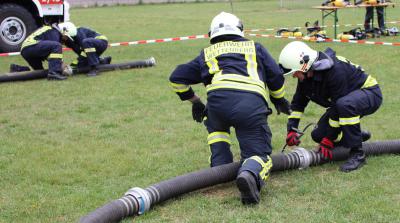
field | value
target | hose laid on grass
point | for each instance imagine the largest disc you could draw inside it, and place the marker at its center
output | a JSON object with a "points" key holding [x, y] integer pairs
{"points": [[137, 200], [40, 74]]}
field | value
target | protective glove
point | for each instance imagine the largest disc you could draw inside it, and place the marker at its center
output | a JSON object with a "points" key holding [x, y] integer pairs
{"points": [[67, 70], [198, 111], [293, 138], [325, 148], [283, 106]]}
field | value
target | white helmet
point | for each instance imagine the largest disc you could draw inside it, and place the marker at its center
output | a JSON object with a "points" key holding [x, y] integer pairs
{"points": [[68, 29], [226, 24], [297, 56]]}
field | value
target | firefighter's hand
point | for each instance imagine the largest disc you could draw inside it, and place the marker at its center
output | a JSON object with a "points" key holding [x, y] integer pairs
{"points": [[198, 111], [283, 106], [293, 138], [325, 148]]}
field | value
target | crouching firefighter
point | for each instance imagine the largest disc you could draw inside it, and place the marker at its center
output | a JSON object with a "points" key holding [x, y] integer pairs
{"points": [[43, 44], [235, 72], [337, 84], [87, 44]]}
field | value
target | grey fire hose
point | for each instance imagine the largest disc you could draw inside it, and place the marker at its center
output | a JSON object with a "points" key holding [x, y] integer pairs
{"points": [[137, 200], [39, 74]]}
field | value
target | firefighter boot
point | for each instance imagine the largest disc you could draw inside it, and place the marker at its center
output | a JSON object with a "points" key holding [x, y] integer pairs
{"points": [[249, 192], [105, 60], [93, 72], [365, 135], [355, 161], [18, 68], [55, 76]]}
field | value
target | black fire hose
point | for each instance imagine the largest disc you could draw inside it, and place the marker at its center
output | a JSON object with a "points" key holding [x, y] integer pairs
{"points": [[39, 74], [137, 200]]}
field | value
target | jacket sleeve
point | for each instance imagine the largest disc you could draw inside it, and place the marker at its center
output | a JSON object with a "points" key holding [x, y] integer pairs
{"points": [[185, 75], [75, 47], [274, 75], [298, 105]]}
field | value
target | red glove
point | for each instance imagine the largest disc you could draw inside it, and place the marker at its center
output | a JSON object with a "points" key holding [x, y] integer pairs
{"points": [[325, 148], [293, 138]]}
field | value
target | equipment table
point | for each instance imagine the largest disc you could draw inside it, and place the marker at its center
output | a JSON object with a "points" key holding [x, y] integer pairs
{"points": [[332, 11]]}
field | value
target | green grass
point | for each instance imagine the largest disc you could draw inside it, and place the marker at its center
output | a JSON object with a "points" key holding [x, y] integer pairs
{"points": [[69, 147]]}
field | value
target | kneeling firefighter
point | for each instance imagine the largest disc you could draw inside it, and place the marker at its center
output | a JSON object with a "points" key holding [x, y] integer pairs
{"points": [[236, 72], [87, 44], [43, 44], [339, 85]]}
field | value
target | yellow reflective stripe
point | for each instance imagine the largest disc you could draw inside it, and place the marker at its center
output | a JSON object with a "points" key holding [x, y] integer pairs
{"points": [[340, 136], [90, 50], [252, 66], [101, 37], [334, 123], [74, 63], [295, 114], [266, 166], [349, 121], [242, 47], [179, 88], [278, 93], [215, 137], [31, 38], [237, 86], [213, 66], [83, 54], [55, 56], [370, 82], [237, 78]]}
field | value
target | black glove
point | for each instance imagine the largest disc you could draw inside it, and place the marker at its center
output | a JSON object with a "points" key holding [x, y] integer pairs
{"points": [[282, 106], [198, 111]]}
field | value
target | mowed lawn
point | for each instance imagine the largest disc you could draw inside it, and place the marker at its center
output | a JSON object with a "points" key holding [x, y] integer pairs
{"points": [[69, 147]]}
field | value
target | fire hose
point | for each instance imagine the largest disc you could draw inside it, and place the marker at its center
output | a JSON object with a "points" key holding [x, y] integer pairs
{"points": [[136, 201], [39, 74]]}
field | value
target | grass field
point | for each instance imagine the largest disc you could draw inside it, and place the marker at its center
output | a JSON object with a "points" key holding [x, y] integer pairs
{"points": [[69, 147]]}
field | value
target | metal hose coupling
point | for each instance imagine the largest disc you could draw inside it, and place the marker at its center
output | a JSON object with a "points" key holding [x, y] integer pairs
{"points": [[305, 157], [151, 61], [142, 197]]}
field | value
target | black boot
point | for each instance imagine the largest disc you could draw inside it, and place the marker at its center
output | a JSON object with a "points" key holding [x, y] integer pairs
{"points": [[355, 161], [18, 68], [247, 184], [365, 135], [55, 76], [93, 72], [105, 60]]}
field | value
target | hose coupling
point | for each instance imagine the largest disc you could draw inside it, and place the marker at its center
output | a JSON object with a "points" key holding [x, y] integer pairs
{"points": [[304, 156], [142, 197]]}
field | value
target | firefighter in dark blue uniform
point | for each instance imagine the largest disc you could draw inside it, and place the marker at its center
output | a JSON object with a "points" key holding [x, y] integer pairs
{"points": [[236, 72], [44, 44], [337, 84], [87, 44]]}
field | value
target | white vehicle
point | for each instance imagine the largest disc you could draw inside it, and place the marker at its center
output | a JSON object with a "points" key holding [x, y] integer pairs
{"points": [[19, 18]]}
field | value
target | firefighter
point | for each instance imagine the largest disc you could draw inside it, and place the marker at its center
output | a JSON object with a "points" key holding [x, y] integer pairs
{"points": [[43, 44], [236, 72], [369, 15], [337, 84], [87, 44]]}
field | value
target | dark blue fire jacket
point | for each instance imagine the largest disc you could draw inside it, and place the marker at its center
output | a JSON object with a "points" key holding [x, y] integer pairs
{"points": [[233, 63], [334, 77]]}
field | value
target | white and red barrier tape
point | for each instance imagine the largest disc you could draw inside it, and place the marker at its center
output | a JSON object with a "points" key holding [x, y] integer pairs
{"points": [[132, 43]]}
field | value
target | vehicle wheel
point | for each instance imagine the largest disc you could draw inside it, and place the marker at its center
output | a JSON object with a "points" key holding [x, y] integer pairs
{"points": [[16, 23]]}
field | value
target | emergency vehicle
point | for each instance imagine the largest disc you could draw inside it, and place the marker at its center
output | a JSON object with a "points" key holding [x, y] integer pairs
{"points": [[19, 18]]}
